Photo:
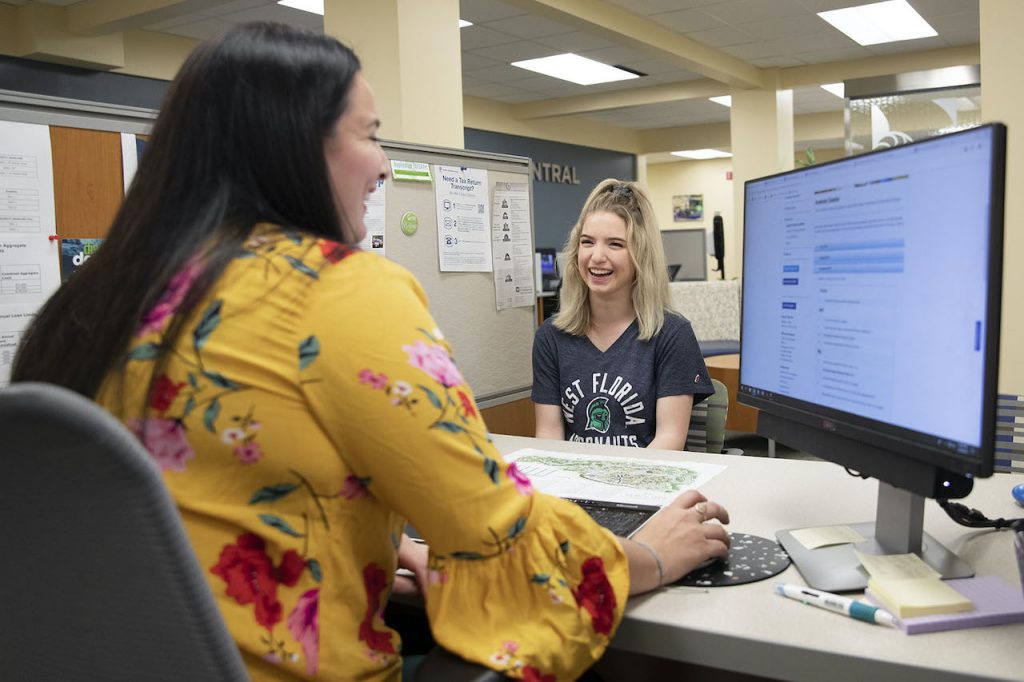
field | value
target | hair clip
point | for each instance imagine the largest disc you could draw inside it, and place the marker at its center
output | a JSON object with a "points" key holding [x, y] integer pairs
{"points": [[622, 190]]}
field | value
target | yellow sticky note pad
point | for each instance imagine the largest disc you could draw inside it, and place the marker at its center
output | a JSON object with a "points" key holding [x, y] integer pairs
{"points": [[911, 597], [895, 566], [823, 536]]}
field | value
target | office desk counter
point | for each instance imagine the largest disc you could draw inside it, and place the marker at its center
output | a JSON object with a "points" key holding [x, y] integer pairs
{"points": [[750, 629]]}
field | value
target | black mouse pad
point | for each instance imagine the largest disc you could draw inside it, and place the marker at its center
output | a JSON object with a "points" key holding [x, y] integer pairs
{"points": [[751, 558]]}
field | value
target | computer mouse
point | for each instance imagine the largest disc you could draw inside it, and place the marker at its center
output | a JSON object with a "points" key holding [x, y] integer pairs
{"points": [[1018, 493]]}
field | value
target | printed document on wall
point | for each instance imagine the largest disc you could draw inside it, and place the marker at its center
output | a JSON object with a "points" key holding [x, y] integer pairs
{"points": [[463, 219], [374, 219], [29, 260], [512, 246], [14, 319]]}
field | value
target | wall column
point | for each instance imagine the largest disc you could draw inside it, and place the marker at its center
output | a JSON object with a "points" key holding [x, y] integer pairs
{"points": [[761, 130], [1002, 100], [410, 51]]}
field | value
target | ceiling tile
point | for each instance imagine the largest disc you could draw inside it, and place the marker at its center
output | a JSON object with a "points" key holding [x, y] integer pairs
{"points": [[617, 55], [721, 37], [528, 26], [202, 30], [480, 11], [648, 7], [576, 41], [500, 74], [789, 27], [739, 11], [474, 37], [472, 62], [514, 52], [687, 20], [932, 8], [215, 9]]}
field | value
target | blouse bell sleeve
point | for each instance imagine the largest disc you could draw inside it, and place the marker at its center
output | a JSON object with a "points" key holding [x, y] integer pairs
{"points": [[519, 581]]}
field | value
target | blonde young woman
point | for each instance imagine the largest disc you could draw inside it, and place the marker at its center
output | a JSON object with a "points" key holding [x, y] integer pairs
{"points": [[616, 365]]}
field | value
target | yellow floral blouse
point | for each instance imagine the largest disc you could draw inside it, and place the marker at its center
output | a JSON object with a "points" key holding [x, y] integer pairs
{"points": [[310, 407]]}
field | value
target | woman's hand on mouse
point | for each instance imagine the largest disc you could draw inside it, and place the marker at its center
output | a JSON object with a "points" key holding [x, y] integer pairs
{"points": [[681, 538]]}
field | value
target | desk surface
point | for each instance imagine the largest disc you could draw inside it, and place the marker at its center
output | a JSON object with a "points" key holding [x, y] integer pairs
{"points": [[750, 629]]}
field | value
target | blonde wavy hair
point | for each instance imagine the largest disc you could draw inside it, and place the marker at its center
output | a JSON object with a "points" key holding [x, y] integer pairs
{"points": [[643, 239]]}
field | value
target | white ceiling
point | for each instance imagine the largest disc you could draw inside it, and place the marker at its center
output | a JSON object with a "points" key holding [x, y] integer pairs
{"points": [[762, 33]]}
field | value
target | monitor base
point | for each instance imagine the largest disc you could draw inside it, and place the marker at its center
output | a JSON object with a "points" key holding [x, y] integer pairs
{"points": [[836, 568]]}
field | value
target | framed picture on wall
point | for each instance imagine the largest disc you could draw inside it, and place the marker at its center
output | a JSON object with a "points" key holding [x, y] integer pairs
{"points": [[687, 207]]}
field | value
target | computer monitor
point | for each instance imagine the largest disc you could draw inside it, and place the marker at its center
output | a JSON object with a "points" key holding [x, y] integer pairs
{"points": [[548, 269], [870, 329], [686, 248]]}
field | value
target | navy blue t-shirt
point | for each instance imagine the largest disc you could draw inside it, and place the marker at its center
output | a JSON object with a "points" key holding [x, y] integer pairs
{"points": [[611, 397]]}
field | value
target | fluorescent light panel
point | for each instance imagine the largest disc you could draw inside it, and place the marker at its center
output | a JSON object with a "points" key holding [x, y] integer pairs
{"points": [[575, 69], [702, 154], [837, 89], [463, 23], [314, 6], [724, 100], [881, 22]]}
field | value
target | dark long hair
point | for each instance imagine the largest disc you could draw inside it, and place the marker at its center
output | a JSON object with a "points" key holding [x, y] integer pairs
{"points": [[239, 140]]}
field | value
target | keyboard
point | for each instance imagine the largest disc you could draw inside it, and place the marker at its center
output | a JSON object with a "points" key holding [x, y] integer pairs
{"points": [[620, 519]]}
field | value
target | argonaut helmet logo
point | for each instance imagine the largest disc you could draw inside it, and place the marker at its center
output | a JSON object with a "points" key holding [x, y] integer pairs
{"points": [[599, 417]]}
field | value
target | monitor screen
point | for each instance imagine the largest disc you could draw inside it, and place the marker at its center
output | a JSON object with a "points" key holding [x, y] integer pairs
{"points": [[870, 319], [547, 263], [867, 291], [688, 250]]}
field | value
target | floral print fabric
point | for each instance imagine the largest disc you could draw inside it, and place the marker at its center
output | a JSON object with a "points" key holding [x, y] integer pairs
{"points": [[310, 408]]}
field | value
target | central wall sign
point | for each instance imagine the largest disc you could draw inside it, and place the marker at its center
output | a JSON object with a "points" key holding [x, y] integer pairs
{"points": [[554, 172]]}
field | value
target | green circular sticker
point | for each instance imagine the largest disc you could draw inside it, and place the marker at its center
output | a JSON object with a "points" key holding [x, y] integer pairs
{"points": [[410, 223]]}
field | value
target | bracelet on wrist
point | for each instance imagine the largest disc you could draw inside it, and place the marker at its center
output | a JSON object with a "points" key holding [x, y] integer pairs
{"points": [[657, 560]]}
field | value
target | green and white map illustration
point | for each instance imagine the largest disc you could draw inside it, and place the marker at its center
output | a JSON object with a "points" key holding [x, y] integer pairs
{"points": [[611, 479]]}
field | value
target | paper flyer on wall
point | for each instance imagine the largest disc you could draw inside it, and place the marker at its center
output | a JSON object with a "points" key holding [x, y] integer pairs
{"points": [[74, 253], [375, 220], [14, 319], [512, 249], [28, 258], [463, 219]]}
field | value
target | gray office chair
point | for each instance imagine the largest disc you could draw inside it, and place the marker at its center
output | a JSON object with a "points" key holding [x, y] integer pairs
{"points": [[97, 578], [707, 422]]}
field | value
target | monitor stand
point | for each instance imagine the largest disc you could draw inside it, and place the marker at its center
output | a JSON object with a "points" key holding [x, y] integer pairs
{"points": [[898, 529]]}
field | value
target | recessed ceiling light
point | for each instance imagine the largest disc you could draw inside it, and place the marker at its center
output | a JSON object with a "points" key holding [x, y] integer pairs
{"points": [[837, 89], [463, 23], [314, 6], [881, 22], [576, 69], [703, 154], [724, 100]]}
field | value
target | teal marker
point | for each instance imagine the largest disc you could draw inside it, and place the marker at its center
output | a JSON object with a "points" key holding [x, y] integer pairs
{"points": [[833, 602]]}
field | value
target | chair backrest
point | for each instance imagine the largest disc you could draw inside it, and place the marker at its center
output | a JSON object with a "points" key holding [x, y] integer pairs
{"points": [[98, 580], [707, 422]]}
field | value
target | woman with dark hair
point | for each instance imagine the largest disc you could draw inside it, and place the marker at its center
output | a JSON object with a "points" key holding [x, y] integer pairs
{"points": [[228, 321]]}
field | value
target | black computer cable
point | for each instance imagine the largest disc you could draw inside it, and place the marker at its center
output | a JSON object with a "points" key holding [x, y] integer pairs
{"points": [[966, 516]]}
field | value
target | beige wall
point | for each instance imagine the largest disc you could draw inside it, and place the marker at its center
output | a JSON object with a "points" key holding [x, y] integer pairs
{"points": [[1002, 61], [665, 180]]}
